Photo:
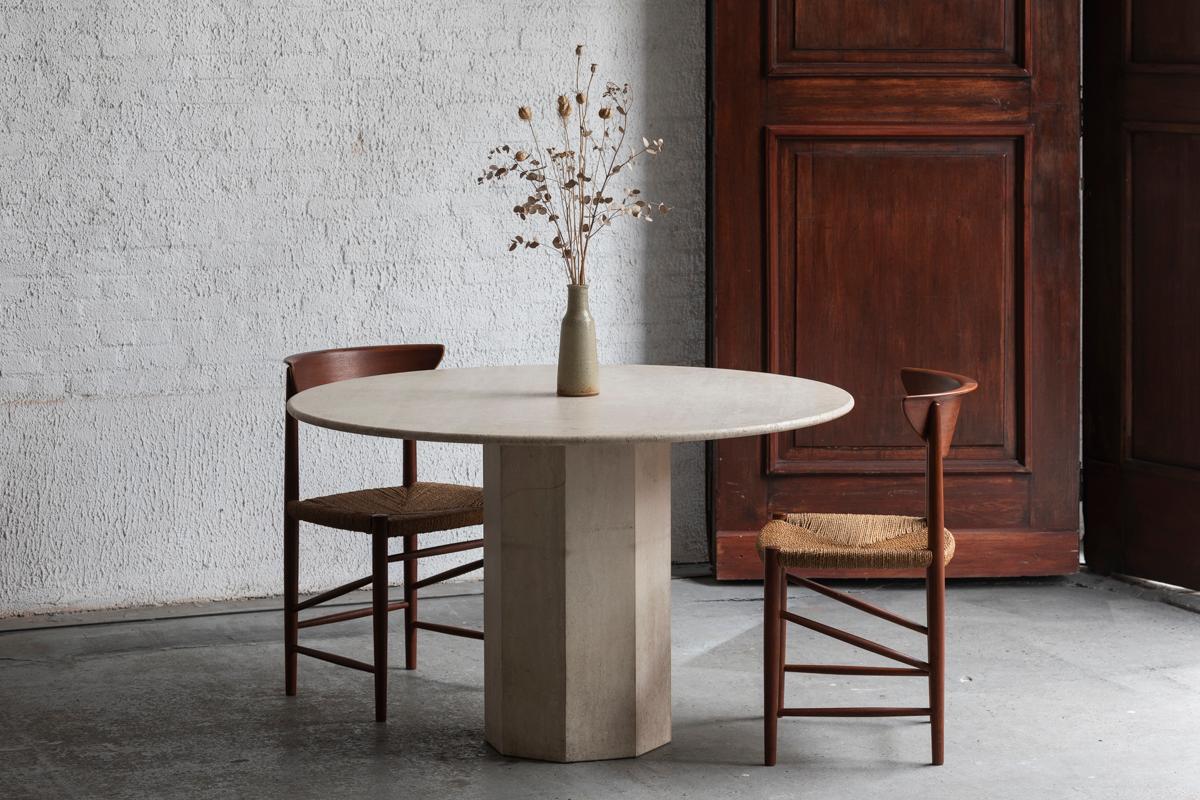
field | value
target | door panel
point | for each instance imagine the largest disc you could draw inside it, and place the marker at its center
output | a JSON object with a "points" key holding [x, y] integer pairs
{"points": [[1164, 186], [894, 184], [1163, 32], [931, 32], [930, 204], [1142, 289]]}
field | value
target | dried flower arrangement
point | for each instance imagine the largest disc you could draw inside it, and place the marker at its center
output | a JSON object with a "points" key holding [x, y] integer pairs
{"points": [[568, 187]]}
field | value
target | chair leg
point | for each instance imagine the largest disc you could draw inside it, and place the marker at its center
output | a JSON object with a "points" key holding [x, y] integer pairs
{"points": [[783, 623], [935, 597], [291, 598], [379, 608], [771, 655], [410, 612]]}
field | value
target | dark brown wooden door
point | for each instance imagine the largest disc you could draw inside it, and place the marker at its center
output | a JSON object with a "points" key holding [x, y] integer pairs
{"points": [[1142, 289], [896, 184]]}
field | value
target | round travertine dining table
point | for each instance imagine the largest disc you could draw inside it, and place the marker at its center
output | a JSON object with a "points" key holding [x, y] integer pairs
{"points": [[577, 527]]}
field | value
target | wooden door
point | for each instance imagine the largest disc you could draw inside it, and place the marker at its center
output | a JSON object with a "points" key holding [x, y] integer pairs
{"points": [[896, 184], [1141, 418]]}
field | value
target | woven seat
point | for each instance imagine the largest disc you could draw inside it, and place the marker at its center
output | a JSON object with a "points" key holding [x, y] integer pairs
{"points": [[420, 508], [851, 541]]}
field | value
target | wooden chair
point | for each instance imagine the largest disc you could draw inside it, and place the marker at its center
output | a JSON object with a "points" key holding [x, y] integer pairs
{"points": [[860, 541], [403, 512]]}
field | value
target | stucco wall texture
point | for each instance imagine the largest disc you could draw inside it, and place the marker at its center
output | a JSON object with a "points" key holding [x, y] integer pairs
{"points": [[191, 190]]}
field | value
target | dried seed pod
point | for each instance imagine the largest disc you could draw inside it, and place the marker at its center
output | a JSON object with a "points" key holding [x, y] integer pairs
{"points": [[586, 212]]}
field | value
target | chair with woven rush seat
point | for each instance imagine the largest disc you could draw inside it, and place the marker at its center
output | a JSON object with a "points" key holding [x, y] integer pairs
{"points": [[403, 512], [809, 541]]}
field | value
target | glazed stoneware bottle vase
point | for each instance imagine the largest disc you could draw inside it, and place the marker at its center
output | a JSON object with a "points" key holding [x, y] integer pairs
{"points": [[578, 369]]}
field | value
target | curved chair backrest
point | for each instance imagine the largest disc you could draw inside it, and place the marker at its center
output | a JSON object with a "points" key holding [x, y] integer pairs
{"points": [[318, 367], [931, 393], [306, 370], [931, 403]]}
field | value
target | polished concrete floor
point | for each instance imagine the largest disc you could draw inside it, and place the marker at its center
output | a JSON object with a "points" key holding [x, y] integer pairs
{"points": [[1063, 688]]}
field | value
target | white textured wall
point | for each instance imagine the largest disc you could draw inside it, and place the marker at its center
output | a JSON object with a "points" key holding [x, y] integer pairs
{"points": [[192, 189]]}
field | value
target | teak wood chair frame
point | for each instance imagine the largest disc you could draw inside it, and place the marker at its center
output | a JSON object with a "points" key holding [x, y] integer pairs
{"points": [[931, 405], [305, 371]]}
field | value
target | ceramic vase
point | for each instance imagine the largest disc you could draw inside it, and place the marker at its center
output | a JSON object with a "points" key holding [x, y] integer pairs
{"points": [[578, 369]]}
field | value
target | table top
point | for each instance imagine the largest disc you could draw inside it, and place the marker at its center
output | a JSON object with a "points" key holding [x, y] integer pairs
{"points": [[518, 405]]}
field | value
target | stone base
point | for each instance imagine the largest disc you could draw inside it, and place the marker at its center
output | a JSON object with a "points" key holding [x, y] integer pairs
{"points": [[577, 600]]}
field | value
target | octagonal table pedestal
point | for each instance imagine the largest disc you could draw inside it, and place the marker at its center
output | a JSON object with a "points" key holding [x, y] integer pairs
{"points": [[577, 599]]}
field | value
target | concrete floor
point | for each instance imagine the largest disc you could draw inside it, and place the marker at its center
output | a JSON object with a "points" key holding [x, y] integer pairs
{"points": [[1077, 687]]}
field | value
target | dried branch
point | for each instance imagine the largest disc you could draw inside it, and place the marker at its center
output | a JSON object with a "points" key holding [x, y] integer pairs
{"points": [[562, 190]]}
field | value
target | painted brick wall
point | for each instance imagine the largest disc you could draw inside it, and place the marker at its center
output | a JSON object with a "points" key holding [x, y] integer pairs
{"points": [[191, 190]]}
